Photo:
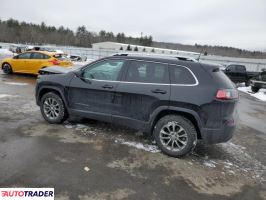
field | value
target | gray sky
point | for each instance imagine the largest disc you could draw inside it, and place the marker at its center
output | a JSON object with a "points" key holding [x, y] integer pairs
{"points": [[238, 23]]}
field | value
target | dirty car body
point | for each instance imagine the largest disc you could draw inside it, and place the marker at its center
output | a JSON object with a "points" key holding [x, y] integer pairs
{"points": [[145, 93]]}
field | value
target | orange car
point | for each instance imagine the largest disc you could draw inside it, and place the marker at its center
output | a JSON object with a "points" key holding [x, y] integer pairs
{"points": [[31, 62]]}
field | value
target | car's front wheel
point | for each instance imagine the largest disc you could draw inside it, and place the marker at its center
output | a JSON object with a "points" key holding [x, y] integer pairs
{"points": [[53, 109], [7, 69], [175, 135]]}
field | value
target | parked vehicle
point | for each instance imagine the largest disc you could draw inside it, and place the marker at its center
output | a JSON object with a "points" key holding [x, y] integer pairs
{"points": [[75, 57], [239, 74], [177, 102], [258, 82], [31, 62]]}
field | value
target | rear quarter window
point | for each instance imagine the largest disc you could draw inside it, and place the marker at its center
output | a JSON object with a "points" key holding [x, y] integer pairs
{"points": [[181, 75], [222, 80]]}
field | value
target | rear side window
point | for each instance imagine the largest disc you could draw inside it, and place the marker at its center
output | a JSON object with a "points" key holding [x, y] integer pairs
{"points": [[181, 75], [39, 56], [147, 72]]}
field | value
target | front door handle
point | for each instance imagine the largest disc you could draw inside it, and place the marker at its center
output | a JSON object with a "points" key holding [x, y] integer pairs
{"points": [[159, 91], [107, 86]]}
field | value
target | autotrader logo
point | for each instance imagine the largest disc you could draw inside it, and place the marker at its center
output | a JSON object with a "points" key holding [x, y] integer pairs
{"points": [[27, 193]]}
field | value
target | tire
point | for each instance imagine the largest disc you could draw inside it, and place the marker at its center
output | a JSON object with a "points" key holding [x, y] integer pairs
{"points": [[183, 141], [247, 83], [255, 89], [7, 69], [53, 109]]}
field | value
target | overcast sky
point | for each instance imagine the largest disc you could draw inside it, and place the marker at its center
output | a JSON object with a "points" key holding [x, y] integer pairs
{"points": [[238, 23]]}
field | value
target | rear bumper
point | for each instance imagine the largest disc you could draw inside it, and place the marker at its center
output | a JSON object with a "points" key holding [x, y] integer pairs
{"points": [[222, 134], [214, 136]]}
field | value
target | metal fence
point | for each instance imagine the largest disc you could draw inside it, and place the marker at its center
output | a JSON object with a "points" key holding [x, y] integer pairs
{"points": [[89, 53]]}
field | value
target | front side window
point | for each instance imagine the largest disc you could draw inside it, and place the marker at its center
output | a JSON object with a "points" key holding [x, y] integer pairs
{"points": [[105, 70], [181, 75], [147, 72], [24, 56], [231, 68]]}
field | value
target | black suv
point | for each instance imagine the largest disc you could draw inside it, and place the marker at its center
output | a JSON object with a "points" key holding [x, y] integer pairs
{"points": [[177, 102]]}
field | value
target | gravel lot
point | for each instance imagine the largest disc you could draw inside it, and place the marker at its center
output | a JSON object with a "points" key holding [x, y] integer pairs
{"points": [[86, 159]]}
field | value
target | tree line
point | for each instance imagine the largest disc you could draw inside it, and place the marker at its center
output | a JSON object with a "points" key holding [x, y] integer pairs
{"points": [[14, 31]]}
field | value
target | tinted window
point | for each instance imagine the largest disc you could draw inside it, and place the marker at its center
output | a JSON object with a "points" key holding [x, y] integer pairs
{"points": [[263, 76], [181, 75], [240, 68], [24, 56], [105, 70], [147, 72], [39, 56], [231, 68]]}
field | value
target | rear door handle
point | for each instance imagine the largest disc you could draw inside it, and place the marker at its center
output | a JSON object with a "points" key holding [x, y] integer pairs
{"points": [[107, 87], [159, 91]]}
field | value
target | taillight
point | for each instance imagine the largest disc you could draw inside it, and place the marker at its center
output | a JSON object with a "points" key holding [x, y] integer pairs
{"points": [[227, 94], [54, 62]]}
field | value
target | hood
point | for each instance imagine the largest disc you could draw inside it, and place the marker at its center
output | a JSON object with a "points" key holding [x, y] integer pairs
{"points": [[59, 69]]}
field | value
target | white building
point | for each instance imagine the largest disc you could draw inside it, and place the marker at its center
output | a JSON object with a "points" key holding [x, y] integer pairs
{"points": [[115, 46]]}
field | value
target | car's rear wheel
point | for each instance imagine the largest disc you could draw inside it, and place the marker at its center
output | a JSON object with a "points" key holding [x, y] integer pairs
{"points": [[7, 69], [255, 89], [53, 109], [175, 135]]}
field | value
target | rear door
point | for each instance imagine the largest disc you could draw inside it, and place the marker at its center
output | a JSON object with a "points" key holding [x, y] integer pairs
{"points": [[38, 60], [92, 94], [144, 88]]}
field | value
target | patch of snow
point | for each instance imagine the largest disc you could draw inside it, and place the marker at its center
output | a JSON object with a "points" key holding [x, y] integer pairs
{"points": [[68, 126], [86, 169], [145, 147], [261, 95], [6, 96], [16, 83], [210, 164], [5, 52], [82, 62], [242, 161]]}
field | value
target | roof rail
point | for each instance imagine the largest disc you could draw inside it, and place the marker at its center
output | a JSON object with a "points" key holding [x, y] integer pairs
{"points": [[179, 57]]}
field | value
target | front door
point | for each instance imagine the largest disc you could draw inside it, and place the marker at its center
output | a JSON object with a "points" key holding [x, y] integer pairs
{"points": [[21, 62], [92, 94]]}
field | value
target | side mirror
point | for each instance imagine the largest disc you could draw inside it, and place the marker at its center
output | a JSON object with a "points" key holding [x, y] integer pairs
{"points": [[78, 73], [15, 57]]}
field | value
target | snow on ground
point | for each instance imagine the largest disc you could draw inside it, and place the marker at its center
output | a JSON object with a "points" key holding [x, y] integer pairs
{"points": [[138, 145], [16, 83], [5, 96], [6, 52], [261, 95]]}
